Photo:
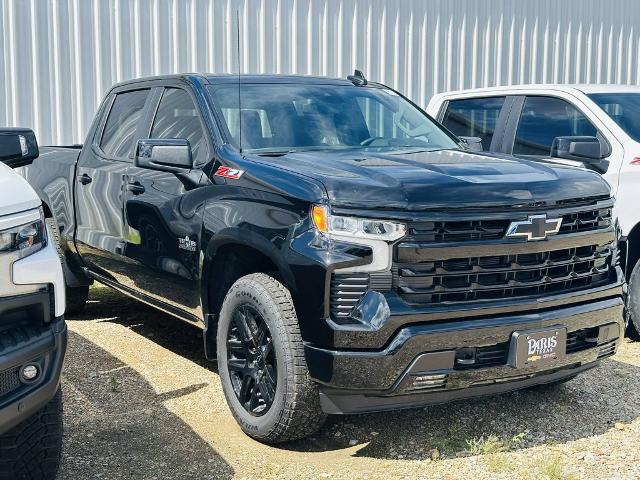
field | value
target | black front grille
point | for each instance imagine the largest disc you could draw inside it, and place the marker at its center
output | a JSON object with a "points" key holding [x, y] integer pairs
{"points": [[458, 231], [586, 221], [477, 230], [502, 276], [9, 381], [464, 257]]}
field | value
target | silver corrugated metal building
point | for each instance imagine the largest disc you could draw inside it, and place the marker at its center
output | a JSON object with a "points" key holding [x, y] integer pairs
{"points": [[58, 57]]}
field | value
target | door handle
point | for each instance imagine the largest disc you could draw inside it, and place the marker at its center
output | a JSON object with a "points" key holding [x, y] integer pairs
{"points": [[85, 179], [135, 187]]}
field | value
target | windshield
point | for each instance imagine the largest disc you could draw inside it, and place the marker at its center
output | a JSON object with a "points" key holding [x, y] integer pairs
{"points": [[623, 108], [288, 117]]}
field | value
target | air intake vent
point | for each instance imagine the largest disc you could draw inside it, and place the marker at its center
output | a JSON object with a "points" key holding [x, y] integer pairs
{"points": [[9, 381], [347, 288]]}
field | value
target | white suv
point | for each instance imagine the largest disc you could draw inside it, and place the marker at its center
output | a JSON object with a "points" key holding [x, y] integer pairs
{"points": [[592, 126], [33, 334]]}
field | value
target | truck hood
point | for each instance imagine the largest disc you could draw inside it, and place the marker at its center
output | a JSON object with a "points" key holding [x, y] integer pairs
{"points": [[16, 195], [418, 180]]}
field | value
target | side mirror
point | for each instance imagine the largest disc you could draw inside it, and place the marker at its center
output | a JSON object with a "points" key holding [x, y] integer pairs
{"points": [[165, 155], [587, 150], [472, 143], [18, 146]]}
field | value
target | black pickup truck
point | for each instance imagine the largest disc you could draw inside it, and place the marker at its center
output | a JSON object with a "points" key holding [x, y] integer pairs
{"points": [[342, 251]]}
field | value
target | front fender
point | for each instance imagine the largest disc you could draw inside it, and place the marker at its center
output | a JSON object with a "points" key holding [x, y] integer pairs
{"points": [[246, 238]]}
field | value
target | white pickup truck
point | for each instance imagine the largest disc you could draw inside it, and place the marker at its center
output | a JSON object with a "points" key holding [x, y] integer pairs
{"points": [[33, 334], [592, 126]]}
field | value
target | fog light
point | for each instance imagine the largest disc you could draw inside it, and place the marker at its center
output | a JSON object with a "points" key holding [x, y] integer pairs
{"points": [[30, 372]]}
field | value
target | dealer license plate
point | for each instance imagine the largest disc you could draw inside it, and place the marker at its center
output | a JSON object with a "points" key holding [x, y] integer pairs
{"points": [[538, 347]]}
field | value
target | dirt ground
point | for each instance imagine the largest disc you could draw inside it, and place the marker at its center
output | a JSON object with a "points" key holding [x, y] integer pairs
{"points": [[141, 402]]}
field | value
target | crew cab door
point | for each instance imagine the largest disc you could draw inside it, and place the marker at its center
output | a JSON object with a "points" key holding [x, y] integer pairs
{"points": [[520, 125], [102, 166], [163, 212]]}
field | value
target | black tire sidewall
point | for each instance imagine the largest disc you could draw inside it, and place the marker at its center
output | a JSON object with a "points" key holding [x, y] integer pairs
{"points": [[40, 439], [633, 300], [251, 292]]}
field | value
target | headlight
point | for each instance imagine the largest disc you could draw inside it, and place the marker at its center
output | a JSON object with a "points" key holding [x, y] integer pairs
{"points": [[355, 227], [24, 240], [376, 234]]}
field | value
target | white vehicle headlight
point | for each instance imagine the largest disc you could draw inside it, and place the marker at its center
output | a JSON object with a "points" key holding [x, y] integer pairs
{"points": [[24, 240], [377, 234], [356, 227]]}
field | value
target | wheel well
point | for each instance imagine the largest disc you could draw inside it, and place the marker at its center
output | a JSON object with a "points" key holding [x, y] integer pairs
{"points": [[229, 264], [47, 211], [633, 250]]}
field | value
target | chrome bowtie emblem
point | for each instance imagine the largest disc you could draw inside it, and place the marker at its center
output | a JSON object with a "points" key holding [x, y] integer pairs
{"points": [[537, 227]]}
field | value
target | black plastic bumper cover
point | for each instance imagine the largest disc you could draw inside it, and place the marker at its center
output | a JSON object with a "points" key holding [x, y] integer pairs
{"points": [[363, 381], [41, 343]]}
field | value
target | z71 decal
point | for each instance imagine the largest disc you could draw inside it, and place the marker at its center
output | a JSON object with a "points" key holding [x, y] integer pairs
{"points": [[228, 172]]}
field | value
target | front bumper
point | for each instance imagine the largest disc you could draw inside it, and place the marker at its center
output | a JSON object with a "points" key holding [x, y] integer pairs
{"points": [[419, 365], [28, 335]]}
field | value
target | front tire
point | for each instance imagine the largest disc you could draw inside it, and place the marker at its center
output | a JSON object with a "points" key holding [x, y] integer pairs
{"points": [[632, 320], [262, 365], [32, 449]]}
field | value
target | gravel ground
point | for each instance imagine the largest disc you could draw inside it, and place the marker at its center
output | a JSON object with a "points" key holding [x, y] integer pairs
{"points": [[142, 403]]}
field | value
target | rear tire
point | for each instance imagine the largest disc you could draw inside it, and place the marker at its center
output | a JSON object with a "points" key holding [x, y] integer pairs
{"points": [[632, 319], [32, 450], [270, 394], [76, 297]]}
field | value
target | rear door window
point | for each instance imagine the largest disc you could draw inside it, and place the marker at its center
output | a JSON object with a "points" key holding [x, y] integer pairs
{"points": [[474, 117], [545, 118], [122, 123]]}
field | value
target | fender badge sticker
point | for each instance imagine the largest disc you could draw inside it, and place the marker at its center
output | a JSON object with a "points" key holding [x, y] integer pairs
{"points": [[187, 244], [227, 172]]}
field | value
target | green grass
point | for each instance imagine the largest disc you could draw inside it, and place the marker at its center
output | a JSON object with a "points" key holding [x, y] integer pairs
{"points": [[553, 468], [450, 443], [497, 462], [493, 444], [114, 385]]}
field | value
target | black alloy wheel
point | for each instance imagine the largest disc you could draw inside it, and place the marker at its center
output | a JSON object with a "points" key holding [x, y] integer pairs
{"points": [[251, 360], [262, 364]]}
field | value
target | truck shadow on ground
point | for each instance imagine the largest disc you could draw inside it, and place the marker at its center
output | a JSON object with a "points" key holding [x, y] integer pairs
{"points": [[117, 427], [590, 405]]}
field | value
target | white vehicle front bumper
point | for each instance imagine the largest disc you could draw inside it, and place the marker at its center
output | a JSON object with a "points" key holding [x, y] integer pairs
{"points": [[41, 268]]}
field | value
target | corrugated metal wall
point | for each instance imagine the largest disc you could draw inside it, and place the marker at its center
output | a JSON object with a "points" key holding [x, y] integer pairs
{"points": [[58, 57]]}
